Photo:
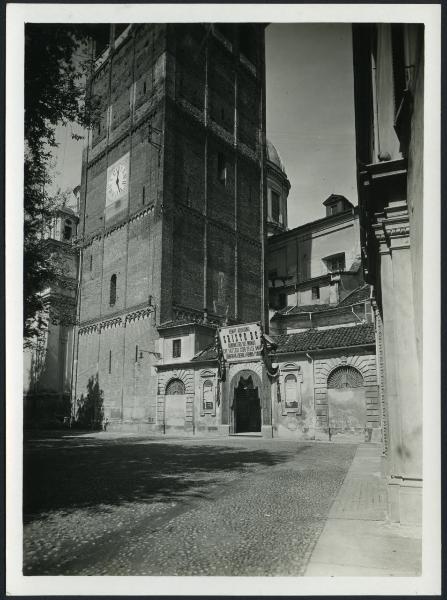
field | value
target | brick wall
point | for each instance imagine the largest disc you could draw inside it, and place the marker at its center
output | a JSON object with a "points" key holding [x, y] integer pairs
{"points": [[248, 208], [220, 192], [249, 281], [221, 83], [95, 196], [111, 346], [187, 282], [220, 272], [87, 360], [140, 268], [140, 380], [114, 263]]}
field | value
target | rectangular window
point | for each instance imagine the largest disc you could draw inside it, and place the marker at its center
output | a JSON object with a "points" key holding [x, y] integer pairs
{"points": [[176, 348], [110, 361], [315, 293], [136, 353], [291, 391], [335, 263], [221, 168], [144, 194], [275, 206]]}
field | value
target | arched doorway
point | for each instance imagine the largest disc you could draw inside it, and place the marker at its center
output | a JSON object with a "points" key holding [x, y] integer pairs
{"points": [[247, 405], [175, 406], [347, 404]]}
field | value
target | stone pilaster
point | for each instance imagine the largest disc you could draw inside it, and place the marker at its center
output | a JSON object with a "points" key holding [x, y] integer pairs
{"points": [[401, 368]]}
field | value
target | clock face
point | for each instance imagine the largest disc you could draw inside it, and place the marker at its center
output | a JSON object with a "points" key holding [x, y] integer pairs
{"points": [[117, 180], [117, 188]]}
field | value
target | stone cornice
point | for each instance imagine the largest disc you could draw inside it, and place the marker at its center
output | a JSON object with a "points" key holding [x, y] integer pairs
{"points": [[392, 231]]}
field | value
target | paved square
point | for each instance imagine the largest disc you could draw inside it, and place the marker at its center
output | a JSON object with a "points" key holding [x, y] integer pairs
{"points": [[104, 504]]}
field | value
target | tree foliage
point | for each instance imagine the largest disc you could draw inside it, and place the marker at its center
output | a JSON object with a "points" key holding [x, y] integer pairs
{"points": [[89, 409], [54, 94]]}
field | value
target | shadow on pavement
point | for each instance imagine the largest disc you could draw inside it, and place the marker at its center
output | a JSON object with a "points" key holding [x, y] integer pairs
{"points": [[63, 472]]}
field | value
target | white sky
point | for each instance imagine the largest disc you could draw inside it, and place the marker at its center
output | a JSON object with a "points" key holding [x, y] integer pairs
{"points": [[310, 112], [310, 116]]}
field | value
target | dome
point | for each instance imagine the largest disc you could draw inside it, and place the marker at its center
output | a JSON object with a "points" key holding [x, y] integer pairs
{"points": [[274, 157]]}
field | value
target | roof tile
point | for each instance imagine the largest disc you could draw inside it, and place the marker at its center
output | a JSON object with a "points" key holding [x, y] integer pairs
{"points": [[359, 295], [319, 339], [312, 339]]}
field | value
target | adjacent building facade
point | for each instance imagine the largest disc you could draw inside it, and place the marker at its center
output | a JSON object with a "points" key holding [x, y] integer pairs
{"points": [[389, 92], [321, 318], [317, 263], [48, 359]]}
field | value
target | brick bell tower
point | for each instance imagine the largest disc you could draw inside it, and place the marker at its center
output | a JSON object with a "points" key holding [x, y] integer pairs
{"points": [[172, 204]]}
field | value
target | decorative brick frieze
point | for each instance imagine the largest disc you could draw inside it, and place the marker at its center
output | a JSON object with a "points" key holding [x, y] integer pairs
{"points": [[106, 232], [136, 315], [129, 314], [88, 329], [110, 323]]}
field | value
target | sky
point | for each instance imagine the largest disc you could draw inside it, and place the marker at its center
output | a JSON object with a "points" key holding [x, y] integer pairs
{"points": [[310, 116], [310, 112]]}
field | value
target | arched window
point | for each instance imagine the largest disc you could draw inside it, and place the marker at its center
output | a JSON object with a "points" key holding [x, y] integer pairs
{"points": [[113, 290], [208, 396], [345, 377], [68, 230], [290, 389], [175, 386]]}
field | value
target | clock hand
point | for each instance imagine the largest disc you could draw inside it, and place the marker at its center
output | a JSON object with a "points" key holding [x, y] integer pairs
{"points": [[118, 183]]}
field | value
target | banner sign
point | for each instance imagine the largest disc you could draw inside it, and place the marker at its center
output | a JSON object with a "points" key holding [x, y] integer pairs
{"points": [[241, 342]]}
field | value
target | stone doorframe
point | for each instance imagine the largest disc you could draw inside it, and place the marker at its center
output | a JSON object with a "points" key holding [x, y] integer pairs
{"points": [[366, 365], [256, 369], [187, 377]]}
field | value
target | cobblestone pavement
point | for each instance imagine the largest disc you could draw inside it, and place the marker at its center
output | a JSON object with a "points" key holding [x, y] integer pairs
{"points": [[127, 505]]}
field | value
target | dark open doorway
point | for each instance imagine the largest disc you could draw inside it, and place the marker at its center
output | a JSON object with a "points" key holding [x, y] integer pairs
{"points": [[247, 407]]}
